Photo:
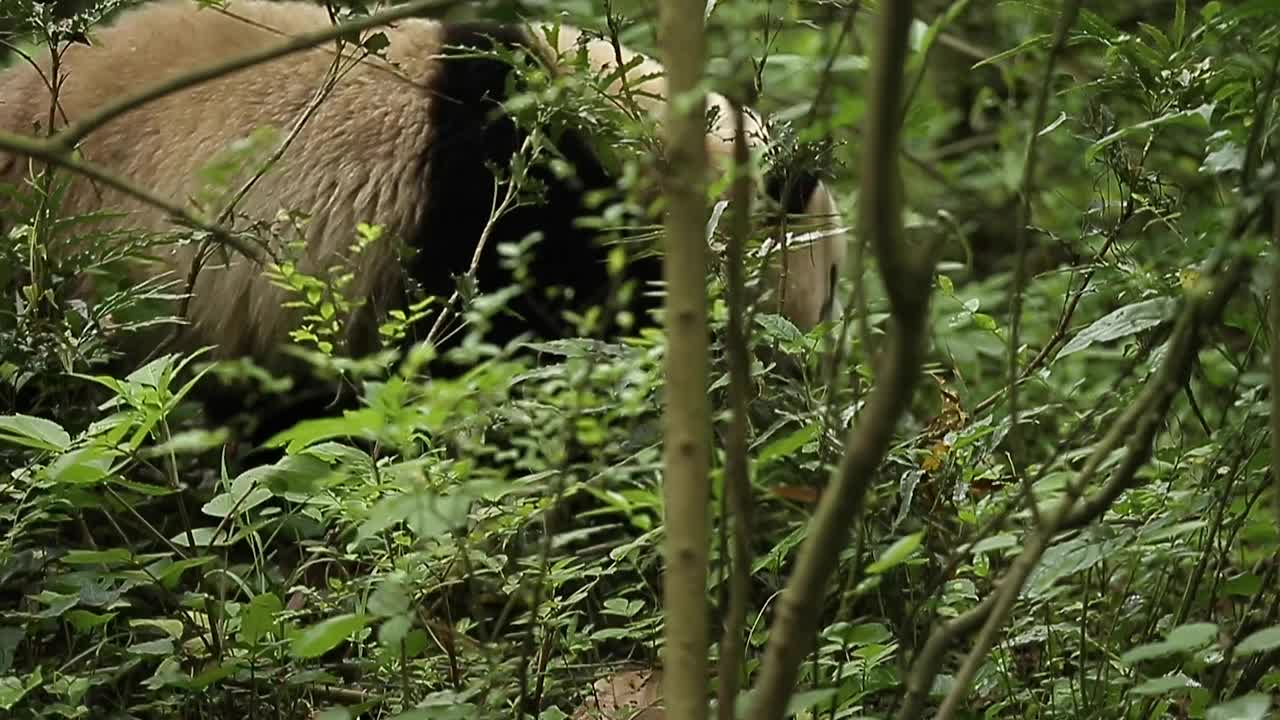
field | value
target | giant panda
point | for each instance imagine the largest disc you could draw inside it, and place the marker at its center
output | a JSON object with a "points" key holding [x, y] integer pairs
{"points": [[409, 143]]}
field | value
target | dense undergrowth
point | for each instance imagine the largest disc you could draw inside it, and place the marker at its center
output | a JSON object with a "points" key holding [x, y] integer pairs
{"points": [[491, 543]]}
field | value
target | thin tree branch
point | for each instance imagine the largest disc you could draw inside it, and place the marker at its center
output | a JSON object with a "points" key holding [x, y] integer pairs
{"points": [[795, 625], [737, 480], [39, 150], [1068, 18]]}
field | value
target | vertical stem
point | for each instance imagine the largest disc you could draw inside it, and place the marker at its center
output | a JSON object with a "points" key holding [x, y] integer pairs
{"points": [[737, 481], [686, 426]]}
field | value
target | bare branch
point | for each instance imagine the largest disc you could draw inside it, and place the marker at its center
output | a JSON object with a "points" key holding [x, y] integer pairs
{"points": [[1070, 9]]}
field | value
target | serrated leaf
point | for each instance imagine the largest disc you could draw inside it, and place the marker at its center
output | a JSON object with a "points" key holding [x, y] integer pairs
{"points": [[33, 432]]}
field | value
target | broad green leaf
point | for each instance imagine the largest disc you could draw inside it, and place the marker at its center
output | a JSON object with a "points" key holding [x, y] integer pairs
{"points": [[1246, 707], [206, 537], [897, 553], [393, 630], [172, 628], [114, 556], [1261, 641], [81, 467], [163, 646], [244, 495], [310, 432], [258, 618], [1119, 323], [1192, 636], [83, 620], [806, 699], [787, 445], [427, 514], [1147, 652], [333, 713], [390, 598], [1002, 541], [33, 432], [1166, 684], [13, 687], [326, 635]]}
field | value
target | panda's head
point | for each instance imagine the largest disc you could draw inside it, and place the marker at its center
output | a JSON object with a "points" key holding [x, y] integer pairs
{"points": [[807, 243]]}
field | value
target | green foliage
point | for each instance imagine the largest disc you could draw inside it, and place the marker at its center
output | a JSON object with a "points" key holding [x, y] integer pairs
{"points": [[491, 542]]}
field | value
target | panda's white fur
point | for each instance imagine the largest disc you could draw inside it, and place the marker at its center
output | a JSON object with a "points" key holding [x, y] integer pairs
{"points": [[358, 159]]}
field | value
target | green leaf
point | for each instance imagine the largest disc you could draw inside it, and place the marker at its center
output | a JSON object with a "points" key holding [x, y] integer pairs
{"points": [[1182, 639], [806, 699], [1192, 636], [1146, 652], [244, 495], [1179, 22], [787, 445], [1261, 641], [393, 630], [13, 687], [1246, 707], [309, 432], [258, 618], [206, 537], [81, 467], [427, 514], [1002, 541], [114, 556], [897, 553], [163, 646], [326, 635], [83, 620], [33, 432], [1204, 113], [1033, 41], [1119, 323], [1166, 684], [390, 598]]}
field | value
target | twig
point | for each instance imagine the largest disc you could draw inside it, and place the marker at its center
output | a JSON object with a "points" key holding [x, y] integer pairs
{"points": [[737, 481], [48, 153]]}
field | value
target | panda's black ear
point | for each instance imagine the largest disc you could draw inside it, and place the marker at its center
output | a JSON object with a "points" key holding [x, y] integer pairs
{"points": [[790, 188]]}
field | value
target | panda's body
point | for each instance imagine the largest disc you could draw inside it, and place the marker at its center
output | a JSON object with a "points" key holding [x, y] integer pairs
{"points": [[409, 146]]}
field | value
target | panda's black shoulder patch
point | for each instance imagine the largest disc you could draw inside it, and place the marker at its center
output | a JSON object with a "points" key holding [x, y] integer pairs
{"points": [[470, 137]]}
